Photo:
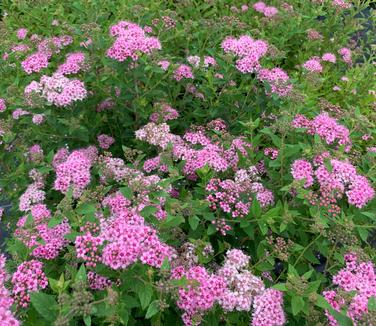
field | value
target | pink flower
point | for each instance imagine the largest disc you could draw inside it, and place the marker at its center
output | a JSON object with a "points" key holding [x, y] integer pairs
{"points": [[329, 57], [38, 119], [346, 55], [164, 64], [2, 105], [105, 141], [302, 170], [73, 64], [270, 11], [130, 42], [313, 65], [28, 278], [21, 33], [259, 6], [35, 62], [183, 71], [268, 309]]}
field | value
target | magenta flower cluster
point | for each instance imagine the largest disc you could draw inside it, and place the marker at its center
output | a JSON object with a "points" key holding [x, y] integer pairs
{"points": [[248, 50], [232, 286], [105, 141], [57, 89], [29, 277], [131, 41], [342, 179], [326, 127], [358, 278], [6, 316], [74, 171], [268, 11], [73, 64]]}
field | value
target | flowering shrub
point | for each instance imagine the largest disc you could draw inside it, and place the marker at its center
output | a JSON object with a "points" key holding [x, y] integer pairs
{"points": [[187, 163]]}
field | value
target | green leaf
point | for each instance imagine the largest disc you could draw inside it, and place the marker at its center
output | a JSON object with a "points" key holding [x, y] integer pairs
{"points": [[372, 303], [153, 309], [126, 192], [165, 265], [86, 209], [124, 314], [145, 294], [173, 221], [148, 211], [55, 221], [256, 208], [297, 304], [45, 304], [87, 320], [194, 221], [280, 287], [81, 274]]}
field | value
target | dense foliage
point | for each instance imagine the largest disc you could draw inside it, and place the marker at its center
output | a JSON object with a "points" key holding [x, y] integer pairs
{"points": [[187, 162]]}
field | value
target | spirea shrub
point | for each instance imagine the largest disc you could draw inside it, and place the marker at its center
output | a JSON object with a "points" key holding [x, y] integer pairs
{"points": [[187, 163]]}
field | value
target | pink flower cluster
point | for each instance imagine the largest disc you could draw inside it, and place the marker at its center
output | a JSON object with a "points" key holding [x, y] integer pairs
{"points": [[232, 286], [128, 239], [28, 278], [341, 4], [73, 64], [87, 248], [277, 79], [241, 285], [6, 316], [75, 171], [271, 152], [105, 141], [164, 113], [38, 119], [325, 127], [2, 105], [346, 55], [357, 277], [183, 71], [35, 62], [303, 170], [268, 11], [235, 197], [343, 179], [268, 309], [195, 148], [248, 50], [34, 194], [21, 33], [164, 64], [313, 65], [39, 60], [57, 89], [131, 41], [98, 282], [201, 293], [35, 233], [329, 57]]}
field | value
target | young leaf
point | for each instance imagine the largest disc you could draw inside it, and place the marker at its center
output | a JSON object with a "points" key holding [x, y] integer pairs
{"points": [[45, 304], [153, 309]]}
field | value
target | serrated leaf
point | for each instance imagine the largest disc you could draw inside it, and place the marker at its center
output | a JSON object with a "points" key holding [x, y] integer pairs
{"points": [[280, 287], [126, 192], [153, 309], [81, 274], [297, 304], [44, 304], [194, 221], [145, 294]]}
